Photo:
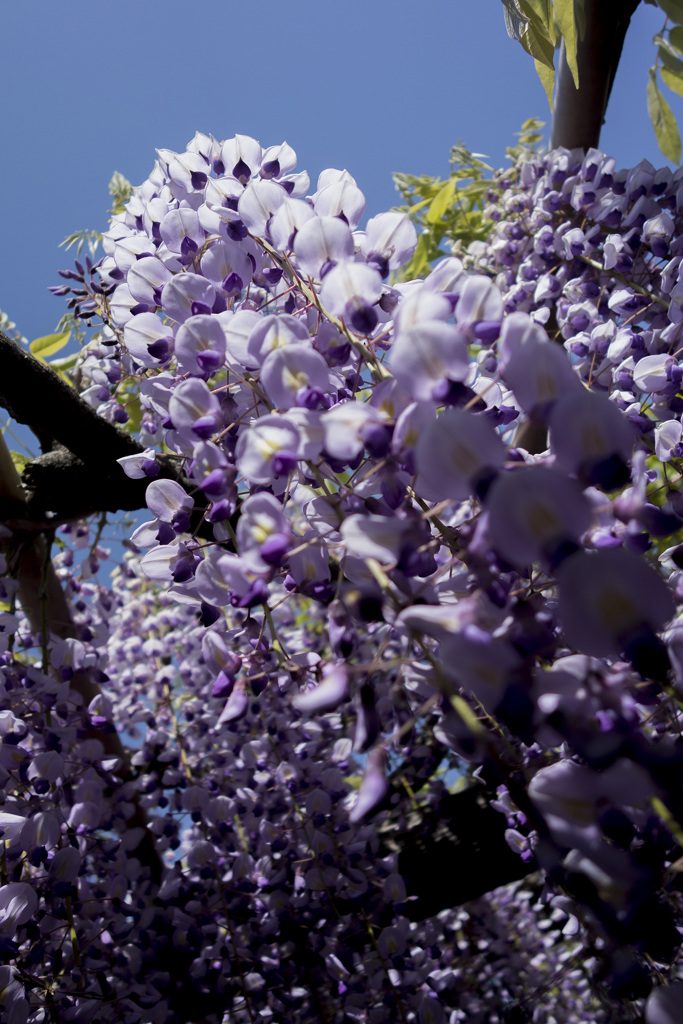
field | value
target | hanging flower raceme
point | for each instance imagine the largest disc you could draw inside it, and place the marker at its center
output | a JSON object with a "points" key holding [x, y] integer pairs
{"points": [[400, 531]]}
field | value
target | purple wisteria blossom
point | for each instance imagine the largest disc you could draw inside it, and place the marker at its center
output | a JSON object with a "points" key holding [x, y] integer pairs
{"points": [[422, 536]]}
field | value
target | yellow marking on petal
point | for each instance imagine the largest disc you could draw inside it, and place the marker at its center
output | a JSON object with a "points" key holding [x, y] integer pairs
{"points": [[617, 611], [543, 521]]}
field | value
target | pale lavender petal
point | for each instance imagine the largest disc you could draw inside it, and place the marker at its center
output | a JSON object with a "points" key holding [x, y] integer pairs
{"points": [[539, 372], [328, 695], [295, 375], [322, 240], [592, 438], [606, 597], [193, 407], [457, 454], [667, 437], [185, 295], [350, 290], [259, 201], [664, 1004], [272, 332], [374, 786], [425, 358], [200, 345], [268, 449], [165, 498], [180, 227], [227, 266], [344, 425], [390, 239], [287, 221], [146, 278], [536, 514], [148, 339], [241, 157], [339, 198]]}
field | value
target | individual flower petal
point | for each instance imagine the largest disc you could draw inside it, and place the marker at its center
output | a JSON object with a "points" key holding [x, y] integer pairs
{"points": [[287, 221], [272, 332], [268, 449], [262, 525], [536, 514], [227, 266], [484, 666], [650, 372], [295, 375], [11, 825], [137, 467], [344, 425], [539, 372], [148, 339], [457, 454], [181, 231], [375, 537], [480, 308], [200, 345], [592, 438], [236, 706], [185, 295], [241, 157], [166, 498], [390, 241], [339, 196], [327, 695], [18, 904], [322, 241], [667, 438], [259, 201], [374, 786], [608, 597], [237, 328], [194, 408], [664, 1004], [351, 290], [427, 357], [146, 278]]}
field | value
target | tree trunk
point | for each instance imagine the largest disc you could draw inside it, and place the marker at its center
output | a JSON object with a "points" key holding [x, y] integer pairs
{"points": [[578, 114]]}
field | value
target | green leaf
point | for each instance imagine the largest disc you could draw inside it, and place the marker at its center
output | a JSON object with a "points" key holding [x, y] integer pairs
{"points": [[531, 23], [665, 51], [673, 80], [441, 202], [19, 461], [674, 64], [547, 77], [539, 46], [566, 22], [673, 9], [65, 363], [663, 121], [676, 37], [120, 190], [46, 346], [540, 12]]}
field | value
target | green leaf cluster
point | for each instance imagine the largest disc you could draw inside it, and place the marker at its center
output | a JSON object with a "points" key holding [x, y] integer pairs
{"points": [[48, 345], [9, 328], [540, 26], [450, 215], [120, 190], [81, 238], [669, 65]]}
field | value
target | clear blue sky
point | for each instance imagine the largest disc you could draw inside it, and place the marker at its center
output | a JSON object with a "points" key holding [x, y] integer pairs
{"points": [[91, 87]]}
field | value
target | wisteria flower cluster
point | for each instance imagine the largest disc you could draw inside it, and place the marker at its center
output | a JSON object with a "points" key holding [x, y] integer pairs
{"points": [[424, 525]]}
